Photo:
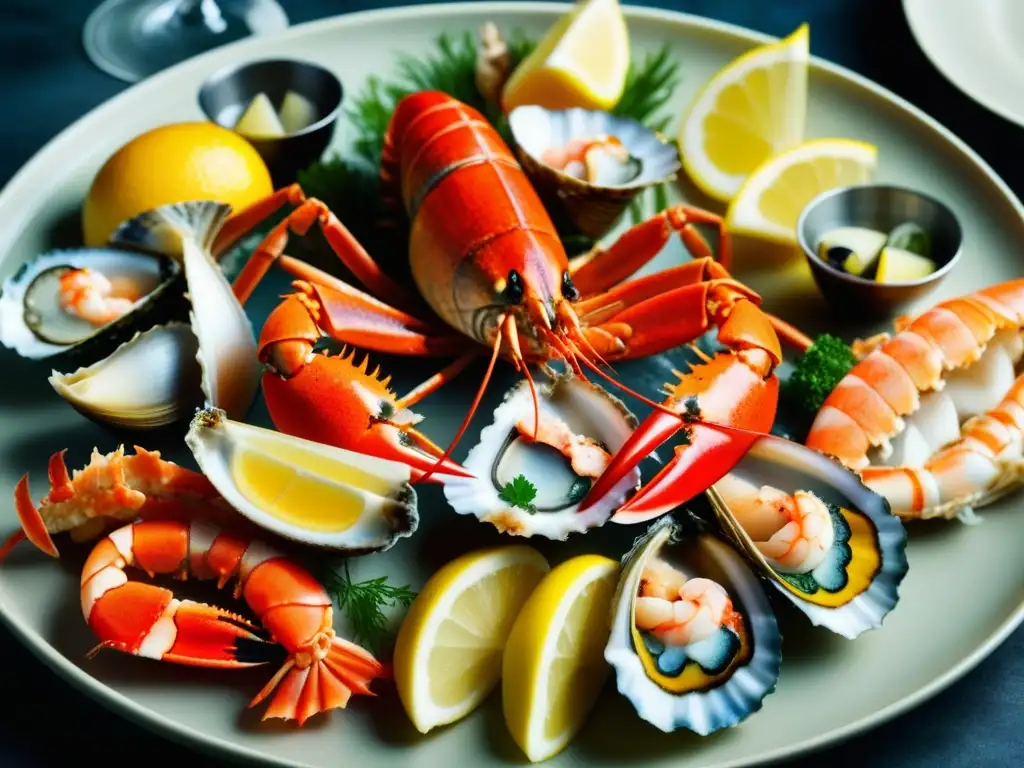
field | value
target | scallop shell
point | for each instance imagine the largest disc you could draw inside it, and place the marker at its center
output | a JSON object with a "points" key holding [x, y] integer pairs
{"points": [[501, 454], [723, 674], [34, 325], [148, 382], [591, 209], [355, 503], [854, 583]]}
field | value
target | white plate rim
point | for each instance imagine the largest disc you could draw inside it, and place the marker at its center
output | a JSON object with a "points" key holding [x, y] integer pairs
{"points": [[911, 9], [152, 721]]}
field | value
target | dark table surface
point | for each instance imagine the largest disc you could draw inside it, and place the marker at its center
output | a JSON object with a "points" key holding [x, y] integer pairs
{"points": [[46, 82]]}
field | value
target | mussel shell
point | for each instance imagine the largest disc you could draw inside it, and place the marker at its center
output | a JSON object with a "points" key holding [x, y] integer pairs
{"points": [[858, 583], [163, 303], [590, 411], [590, 209], [151, 381], [687, 694]]}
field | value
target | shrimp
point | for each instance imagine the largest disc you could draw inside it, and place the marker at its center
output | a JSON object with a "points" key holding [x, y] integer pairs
{"points": [[321, 671], [587, 457], [679, 611], [576, 159], [88, 294], [795, 531]]}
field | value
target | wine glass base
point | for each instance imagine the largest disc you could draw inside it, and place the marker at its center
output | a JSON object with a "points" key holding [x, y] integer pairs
{"points": [[132, 39]]}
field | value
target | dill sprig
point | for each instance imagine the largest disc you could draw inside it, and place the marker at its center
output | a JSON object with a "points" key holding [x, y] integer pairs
{"points": [[363, 602], [649, 86]]}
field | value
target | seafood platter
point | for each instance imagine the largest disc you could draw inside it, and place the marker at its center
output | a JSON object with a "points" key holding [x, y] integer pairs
{"points": [[568, 405]]}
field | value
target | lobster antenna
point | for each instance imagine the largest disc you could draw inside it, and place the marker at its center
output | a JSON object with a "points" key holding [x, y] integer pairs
{"points": [[472, 408], [657, 406]]}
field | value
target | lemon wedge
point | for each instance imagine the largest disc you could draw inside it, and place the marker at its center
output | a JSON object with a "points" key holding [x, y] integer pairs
{"points": [[896, 265], [581, 61], [769, 203], [749, 111], [259, 120], [554, 665], [304, 490], [449, 648]]}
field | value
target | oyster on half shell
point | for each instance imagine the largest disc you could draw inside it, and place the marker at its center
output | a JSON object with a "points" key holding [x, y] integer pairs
{"points": [[694, 642], [587, 165], [75, 306], [302, 490], [811, 527], [580, 425]]}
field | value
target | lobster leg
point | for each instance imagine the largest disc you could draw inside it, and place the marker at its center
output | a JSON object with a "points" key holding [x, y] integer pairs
{"points": [[347, 248], [245, 221], [601, 268]]}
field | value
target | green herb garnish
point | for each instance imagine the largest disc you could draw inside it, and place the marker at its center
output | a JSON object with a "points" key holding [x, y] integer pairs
{"points": [[519, 492], [363, 602]]}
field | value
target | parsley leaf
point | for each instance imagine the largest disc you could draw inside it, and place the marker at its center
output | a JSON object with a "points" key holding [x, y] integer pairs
{"points": [[519, 492]]}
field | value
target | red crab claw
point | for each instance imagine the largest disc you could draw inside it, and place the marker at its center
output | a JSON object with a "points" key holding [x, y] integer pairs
{"points": [[724, 392]]}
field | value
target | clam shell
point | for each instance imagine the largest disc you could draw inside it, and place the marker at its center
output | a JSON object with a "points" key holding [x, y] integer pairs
{"points": [[254, 469], [591, 209], [71, 341], [589, 411], [148, 382], [857, 583], [716, 681], [227, 344]]}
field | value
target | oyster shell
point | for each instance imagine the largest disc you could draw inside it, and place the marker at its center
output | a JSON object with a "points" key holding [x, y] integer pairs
{"points": [[582, 420], [302, 490], [227, 344], [113, 391], [827, 542], [619, 158], [702, 669], [34, 322]]}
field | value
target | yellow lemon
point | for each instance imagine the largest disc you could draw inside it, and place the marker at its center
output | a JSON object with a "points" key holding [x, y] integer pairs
{"points": [[581, 61], [171, 164], [554, 665], [752, 109], [449, 648], [769, 203]]}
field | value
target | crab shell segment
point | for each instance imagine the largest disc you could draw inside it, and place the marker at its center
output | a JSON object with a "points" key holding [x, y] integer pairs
{"points": [[303, 490], [811, 527], [694, 642], [580, 424], [46, 314], [589, 165]]}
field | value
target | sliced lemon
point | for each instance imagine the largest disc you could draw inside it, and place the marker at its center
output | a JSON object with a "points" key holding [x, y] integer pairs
{"points": [[449, 648], [770, 201], [554, 665], [896, 265], [752, 109], [581, 61]]}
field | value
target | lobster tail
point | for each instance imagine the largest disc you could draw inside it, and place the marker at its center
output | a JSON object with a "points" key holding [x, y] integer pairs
{"points": [[328, 683]]}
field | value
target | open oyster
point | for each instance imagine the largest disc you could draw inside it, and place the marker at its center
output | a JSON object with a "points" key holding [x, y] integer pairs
{"points": [[694, 642], [586, 165], [150, 381], [79, 305], [303, 490], [147, 381], [580, 425], [826, 541]]}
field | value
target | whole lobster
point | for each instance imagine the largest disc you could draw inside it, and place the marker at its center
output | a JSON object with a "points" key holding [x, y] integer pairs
{"points": [[489, 265]]}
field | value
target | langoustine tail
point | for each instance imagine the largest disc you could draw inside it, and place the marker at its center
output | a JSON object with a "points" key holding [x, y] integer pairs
{"points": [[325, 684]]}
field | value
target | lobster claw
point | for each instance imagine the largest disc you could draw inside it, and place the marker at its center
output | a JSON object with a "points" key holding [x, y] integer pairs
{"points": [[727, 407]]}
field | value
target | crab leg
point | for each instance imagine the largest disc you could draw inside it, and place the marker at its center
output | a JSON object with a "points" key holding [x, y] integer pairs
{"points": [[600, 269], [311, 211]]}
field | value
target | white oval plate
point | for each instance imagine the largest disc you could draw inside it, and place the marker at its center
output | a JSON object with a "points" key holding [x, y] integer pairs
{"points": [[963, 594], [977, 47]]}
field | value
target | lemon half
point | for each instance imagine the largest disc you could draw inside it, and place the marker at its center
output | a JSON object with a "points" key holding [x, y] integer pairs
{"points": [[554, 665], [769, 203], [448, 653], [582, 61], [749, 111]]}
